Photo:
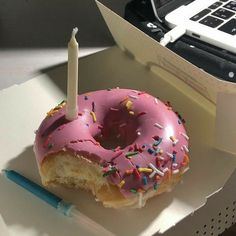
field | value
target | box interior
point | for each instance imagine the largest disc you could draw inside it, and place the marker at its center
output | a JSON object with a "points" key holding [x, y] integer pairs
{"points": [[24, 108]]}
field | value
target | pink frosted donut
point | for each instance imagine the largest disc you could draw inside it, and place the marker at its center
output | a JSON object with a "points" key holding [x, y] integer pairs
{"points": [[125, 146]]}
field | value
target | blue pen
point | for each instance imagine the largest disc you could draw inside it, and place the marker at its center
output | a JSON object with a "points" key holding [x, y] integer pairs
{"points": [[66, 208]]}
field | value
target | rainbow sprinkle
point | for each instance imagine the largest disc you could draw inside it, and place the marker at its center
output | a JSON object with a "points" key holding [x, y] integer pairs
{"points": [[114, 109], [56, 109], [185, 148], [141, 93], [185, 170], [145, 170], [156, 100], [157, 150], [186, 160], [169, 155], [62, 103], [130, 154], [155, 186], [161, 151], [141, 190], [129, 172], [158, 177], [181, 120], [175, 171], [150, 151], [174, 164], [118, 153], [185, 135], [152, 174], [174, 140], [93, 116], [131, 112], [133, 190], [109, 172], [136, 174], [129, 105], [157, 142], [174, 157], [122, 125], [121, 184], [74, 141], [93, 106], [165, 170], [158, 126], [124, 100], [141, 113], [145, 181], [100, 127], [158, 163], [46, 142], [50, 145], [132, 96], [156, 170]]}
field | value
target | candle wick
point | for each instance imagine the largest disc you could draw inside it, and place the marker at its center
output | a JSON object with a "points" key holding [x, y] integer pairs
{"points": [[74, 32]]}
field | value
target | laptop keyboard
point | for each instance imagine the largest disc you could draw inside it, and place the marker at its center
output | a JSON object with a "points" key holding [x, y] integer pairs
{"points": [[220, 15]]}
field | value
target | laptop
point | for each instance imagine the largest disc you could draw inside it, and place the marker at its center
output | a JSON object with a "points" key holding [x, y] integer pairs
{"points": [[211, 21]]}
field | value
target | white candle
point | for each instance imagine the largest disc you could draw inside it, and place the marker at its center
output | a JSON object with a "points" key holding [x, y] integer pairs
{"points": [[72, 78]]}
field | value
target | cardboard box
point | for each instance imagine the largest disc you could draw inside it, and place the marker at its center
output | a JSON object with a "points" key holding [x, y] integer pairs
{"points": [[155, 57], [216, 210]]}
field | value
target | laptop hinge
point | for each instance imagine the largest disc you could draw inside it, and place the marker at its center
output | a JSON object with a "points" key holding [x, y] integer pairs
{"points": [[170, 6]]}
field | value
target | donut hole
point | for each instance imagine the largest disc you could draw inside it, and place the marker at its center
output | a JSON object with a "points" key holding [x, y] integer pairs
{"points": [[111, 142], [119, 130]]}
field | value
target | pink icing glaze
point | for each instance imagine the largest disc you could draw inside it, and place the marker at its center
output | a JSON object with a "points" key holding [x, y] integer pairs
{"points": [[142, 124]]}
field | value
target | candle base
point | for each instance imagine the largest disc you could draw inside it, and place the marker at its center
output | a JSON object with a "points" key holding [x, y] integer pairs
{"points": [[71, 114]]}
